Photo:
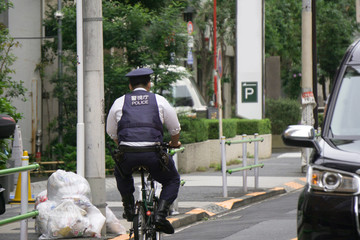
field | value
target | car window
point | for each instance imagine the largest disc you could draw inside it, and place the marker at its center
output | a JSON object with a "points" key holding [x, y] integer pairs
{"points": [[182, 96], [345, 119]]}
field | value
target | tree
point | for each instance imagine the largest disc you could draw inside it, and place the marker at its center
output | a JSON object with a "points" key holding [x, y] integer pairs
{"points": [[133, 35], [9, 88], [283, 38], [226, 35], [336, 30]]}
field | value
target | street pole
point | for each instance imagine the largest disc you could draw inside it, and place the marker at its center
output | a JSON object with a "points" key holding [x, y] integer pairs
{"points": [[80, 127], [215, 52], [94, 103], [59, 16], [314, 54], [307, 96]]}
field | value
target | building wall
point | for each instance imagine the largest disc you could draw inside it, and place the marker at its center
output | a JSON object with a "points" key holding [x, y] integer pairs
{"points": [[24, 22]]}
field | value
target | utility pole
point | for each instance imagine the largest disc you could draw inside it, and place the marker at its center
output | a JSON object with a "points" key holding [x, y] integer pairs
{"points": [[80, 126], [94, 103], [307, 97]]}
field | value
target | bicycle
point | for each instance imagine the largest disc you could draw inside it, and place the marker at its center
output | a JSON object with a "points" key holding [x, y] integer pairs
{"points": [[143, 226]]}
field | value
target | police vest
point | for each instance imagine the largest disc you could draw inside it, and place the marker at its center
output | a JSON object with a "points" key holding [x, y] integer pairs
{"points": [[140, 121]]}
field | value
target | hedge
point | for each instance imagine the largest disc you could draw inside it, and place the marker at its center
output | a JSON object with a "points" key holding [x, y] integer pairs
{"points": [[282, 113], [198, 130]]}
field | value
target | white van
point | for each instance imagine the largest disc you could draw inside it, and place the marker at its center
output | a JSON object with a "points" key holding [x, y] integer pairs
{"points": [[184, 95]]}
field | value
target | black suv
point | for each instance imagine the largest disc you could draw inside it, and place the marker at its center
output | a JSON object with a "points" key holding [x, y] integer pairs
{"points": [[328, 207]]}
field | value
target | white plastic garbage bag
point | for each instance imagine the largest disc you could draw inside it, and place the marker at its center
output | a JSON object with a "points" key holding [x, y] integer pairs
{"points": [[64, 221], [62, 184], [113, 224], [65, 209]]}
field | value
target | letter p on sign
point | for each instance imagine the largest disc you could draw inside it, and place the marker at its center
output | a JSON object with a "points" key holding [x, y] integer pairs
{"points": [[249, 92]]}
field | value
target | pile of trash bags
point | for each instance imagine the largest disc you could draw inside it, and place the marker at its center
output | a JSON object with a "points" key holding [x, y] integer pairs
{"points": [[65, 210]]}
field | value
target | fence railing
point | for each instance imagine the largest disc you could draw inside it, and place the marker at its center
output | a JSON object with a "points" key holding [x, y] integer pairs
{"points": [[24, 214], [245, 167]]}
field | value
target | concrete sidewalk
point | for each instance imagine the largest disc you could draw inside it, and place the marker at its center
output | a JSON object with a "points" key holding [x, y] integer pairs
{"points": [[201, 197]]}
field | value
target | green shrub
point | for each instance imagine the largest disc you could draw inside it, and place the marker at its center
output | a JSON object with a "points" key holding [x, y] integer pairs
{"points": [[321, 119], [229, 127], [193, 130], [282, 112], [251, 126]]}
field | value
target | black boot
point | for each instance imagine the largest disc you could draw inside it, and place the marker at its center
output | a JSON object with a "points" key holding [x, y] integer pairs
{"points": [[129, 207], [161, 224]]}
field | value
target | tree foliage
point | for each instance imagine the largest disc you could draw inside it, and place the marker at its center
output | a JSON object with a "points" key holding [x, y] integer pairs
{"points": [[9, 89], [135, 34], [336, 28]]}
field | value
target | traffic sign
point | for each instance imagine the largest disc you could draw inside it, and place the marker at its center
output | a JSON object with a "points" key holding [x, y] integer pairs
{"points": [[190, 59], [190, 28]]}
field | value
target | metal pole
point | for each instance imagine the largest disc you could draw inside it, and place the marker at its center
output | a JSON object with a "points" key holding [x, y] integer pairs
{"points": [[223, 166], [17, 218], [24, 197], [59, 18], [175, 205], [244, 149], [9, 171], [256, 157], [80, 128], [215, 53]]}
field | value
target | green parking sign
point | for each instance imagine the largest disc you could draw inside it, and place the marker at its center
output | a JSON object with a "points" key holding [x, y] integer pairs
{"points": [[249, 92]]}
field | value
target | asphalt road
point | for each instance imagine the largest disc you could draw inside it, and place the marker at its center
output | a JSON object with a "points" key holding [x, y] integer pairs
{"points": [[272, 219]]}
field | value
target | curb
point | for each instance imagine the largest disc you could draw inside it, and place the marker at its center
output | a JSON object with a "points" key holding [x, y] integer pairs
{"points": [[214, 209]]}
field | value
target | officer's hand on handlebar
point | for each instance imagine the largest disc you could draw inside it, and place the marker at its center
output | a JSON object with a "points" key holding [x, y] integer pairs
{"points": [[175, 144]]}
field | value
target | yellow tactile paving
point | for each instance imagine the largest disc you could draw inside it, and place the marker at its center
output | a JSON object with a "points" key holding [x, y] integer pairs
{"points": [[199, 210], [294, 185], [229, 203], [277, 188]]}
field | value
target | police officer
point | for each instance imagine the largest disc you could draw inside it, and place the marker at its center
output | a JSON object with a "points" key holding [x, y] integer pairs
{"points": [[135, 122]]}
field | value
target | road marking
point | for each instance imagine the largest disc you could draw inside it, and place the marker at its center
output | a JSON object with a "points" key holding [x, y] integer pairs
{"points": [[294, 185]]}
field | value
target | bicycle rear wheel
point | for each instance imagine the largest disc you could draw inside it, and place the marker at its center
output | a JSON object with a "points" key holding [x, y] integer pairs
{"points": [[139, 224], [144, 230]]}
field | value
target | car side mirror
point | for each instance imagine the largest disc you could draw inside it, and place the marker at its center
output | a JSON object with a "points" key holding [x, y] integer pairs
{"points": [[300, 136]]}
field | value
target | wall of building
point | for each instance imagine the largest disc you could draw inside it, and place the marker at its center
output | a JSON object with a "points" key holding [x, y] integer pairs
{"points": [[24, 22]]}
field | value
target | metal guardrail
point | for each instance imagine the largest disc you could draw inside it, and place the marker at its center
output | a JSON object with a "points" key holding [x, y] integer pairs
{"points": [[230, 171], [9, 171], [245, 167], [24, 195]]}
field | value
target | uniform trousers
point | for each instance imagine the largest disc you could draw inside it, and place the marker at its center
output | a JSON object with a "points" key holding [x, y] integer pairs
{"points": [[170, 180]]}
